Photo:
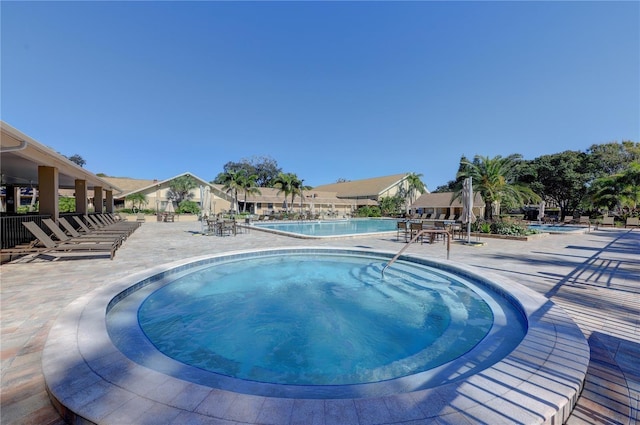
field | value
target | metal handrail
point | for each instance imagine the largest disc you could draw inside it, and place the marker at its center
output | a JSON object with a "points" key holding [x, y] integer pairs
{"points": [[420, 233]]}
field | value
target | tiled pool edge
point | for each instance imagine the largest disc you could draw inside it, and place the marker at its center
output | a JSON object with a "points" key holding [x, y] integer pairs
{"points": [[90, 381]]}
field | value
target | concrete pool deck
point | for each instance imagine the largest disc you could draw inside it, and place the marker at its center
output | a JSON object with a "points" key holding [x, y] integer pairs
{"points": [[594, 277]]}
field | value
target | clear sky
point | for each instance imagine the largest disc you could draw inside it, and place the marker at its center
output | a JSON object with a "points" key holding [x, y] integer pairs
{"points": [[329, 90]]}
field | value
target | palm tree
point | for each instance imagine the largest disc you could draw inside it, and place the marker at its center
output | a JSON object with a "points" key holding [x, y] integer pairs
{"points": [[289, 184], [137, 198], [180, 188], [247, 183], [495, 180], [415, 185], [232, 181], [618, 190]]}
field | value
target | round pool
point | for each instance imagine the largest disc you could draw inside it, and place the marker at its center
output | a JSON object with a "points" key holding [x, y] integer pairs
{"points": [[297, 323], [431, 339]]}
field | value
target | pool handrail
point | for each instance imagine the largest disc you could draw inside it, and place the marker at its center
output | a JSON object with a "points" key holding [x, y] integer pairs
{"points": [[420, 233]]}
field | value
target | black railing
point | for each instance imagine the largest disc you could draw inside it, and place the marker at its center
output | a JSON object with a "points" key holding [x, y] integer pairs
{"points": [[14, 233]]}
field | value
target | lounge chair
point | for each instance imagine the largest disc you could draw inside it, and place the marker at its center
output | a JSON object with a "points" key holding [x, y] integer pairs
{"points": [[607, 221], [86, 230], [50, 246], [77, 237], [632, 222], [97, 223]]}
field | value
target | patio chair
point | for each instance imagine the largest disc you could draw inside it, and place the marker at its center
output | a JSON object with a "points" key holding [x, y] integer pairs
{"points": [[607, 221], [632, 222], [77, 237], [402, 229], [86, 230], [584, 219], [51, 246]]}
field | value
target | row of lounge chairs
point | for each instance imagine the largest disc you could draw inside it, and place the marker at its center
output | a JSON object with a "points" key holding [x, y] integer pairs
{"points": [[96, 234]]}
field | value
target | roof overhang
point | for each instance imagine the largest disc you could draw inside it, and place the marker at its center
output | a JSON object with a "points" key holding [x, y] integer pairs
{"points": [[20, 157]]}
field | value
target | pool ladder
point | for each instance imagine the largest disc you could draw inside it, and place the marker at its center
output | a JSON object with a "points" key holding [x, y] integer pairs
{"points": [[415, 238]]}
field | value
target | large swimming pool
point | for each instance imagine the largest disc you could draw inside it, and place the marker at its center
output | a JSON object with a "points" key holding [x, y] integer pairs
{"points": [[329, 228]]}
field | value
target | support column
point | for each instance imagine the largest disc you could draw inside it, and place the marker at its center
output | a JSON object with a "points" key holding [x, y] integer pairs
{"points": [[12, 198], [48, 191], [82, 200], [109, 200], [97, 199]]}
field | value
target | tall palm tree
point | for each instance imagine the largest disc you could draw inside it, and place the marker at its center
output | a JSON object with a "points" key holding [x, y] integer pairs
{"points": [[287, 183], [247, 183], [231, 182], [415, 186], [495, 180]]}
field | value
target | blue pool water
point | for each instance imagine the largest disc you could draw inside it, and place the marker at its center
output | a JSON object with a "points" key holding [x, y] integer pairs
{"points": [[315, 322], [332, 227], [549, 228]]}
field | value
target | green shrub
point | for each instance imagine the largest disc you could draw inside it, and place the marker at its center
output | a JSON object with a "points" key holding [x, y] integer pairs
{"points": [[188, 207]]}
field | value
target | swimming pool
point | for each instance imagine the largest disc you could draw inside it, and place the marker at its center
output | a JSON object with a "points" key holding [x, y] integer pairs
{"points": [[315, 320], [557, 229], [330, 228], [89, 378]]}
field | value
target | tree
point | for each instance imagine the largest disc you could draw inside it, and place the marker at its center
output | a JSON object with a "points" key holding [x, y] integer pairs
{"points": [[231, 183], [390, 205], [265, 168], [137, 198], [496, 181], [619, 190], [415, 185], [77, 159], [247, 183], [180, 188], [289, 184], [562, 178], [612, 158]]}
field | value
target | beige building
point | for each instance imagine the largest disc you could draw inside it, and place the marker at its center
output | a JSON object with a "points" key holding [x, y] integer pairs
{"points": [[333, 200], [368, 191], [436, 204], [156, 193]]}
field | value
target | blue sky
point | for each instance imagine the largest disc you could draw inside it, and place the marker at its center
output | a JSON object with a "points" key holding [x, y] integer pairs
{"points": [[329, 90]]}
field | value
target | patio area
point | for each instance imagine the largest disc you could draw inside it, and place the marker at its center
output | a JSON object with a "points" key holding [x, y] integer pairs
{"points": [[594, 277]]}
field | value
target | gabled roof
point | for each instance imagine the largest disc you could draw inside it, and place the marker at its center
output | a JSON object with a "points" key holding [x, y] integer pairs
{"points": [[363, 188], [128, 185], [443, 200], [144, 185]]}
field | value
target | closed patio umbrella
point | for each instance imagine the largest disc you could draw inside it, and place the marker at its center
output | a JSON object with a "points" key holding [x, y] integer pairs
{"points": [[169, 208], [541, 211], [467, 206]]}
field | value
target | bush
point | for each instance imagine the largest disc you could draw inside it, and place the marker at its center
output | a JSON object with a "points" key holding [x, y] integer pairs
{"points": [[188, 207], [369, 211], [511, 229]]}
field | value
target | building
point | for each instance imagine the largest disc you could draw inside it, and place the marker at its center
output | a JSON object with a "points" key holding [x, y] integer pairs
{"points": [[156, 193], [437, 204], [368, 191]]}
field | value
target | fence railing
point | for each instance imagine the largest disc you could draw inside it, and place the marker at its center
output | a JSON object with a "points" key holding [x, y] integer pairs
{"points": [[14, 233]]}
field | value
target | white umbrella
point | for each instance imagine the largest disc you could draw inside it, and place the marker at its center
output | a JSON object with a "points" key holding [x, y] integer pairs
{"points": [[541, 211], [206, 201], [169, 208], [467, 206]]}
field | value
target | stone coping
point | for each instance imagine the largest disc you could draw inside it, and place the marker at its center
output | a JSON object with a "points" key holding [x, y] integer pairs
{"points": [[90, 381]]}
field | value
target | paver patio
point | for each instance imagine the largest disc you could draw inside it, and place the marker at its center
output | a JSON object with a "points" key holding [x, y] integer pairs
{"points": [[594, 277]]}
